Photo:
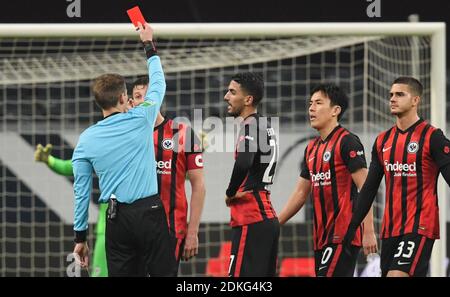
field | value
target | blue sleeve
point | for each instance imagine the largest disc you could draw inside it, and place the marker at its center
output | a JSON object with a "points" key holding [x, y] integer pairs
{"points": [[82, 186], [156, 89]]}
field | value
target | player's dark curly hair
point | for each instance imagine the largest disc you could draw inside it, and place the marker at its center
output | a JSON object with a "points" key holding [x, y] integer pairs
{"points": [[252, 83], [337, 96]]}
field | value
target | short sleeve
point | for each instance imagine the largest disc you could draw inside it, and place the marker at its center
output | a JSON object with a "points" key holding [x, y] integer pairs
{"points": [[304, 172], [352, 153]]}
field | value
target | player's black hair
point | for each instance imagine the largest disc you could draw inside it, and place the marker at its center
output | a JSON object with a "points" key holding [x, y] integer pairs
{"points": [[336, 95], [252, 83]]}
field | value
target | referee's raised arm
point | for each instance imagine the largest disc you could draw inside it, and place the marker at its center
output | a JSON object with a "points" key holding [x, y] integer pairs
{"points": [[120, 150], [157, 84]]}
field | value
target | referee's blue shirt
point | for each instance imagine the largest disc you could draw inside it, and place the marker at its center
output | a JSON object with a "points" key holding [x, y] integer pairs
{"points": [[120, 150]]}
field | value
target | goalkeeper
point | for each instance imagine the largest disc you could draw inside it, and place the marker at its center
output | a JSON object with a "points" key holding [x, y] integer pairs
{"points": [[64, 167]]}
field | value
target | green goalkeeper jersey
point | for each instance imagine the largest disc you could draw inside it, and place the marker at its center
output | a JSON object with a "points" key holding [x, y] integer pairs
{"points": [[99, 265], [62, 167]]}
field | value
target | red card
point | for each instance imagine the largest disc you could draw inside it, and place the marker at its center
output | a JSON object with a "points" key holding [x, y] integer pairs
{"points": [[136, 16]]}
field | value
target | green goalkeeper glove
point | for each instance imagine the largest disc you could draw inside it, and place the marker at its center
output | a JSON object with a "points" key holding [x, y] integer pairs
{"points": [[42, 153], [204, 140]]}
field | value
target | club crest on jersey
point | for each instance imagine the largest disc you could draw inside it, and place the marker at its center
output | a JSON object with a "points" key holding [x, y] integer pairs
{"points": [[413, 147], [326, 156], [167, 144]]}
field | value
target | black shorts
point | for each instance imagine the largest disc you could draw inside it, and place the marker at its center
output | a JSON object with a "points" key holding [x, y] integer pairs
{"points": [[138, 242], [409, 253], [254, 249], [331, 260]]}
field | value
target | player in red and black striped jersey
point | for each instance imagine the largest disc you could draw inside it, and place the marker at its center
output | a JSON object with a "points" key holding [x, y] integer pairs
{"points": [[178, 153], [255, 227], [333, 168], [410, 155]]}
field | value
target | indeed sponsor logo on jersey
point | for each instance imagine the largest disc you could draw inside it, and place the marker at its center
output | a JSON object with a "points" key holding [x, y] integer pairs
{"points": [[401, 169], [163, 167], [321, 178]]}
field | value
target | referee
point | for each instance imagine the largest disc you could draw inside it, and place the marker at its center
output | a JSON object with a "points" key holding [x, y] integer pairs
{"points": [[121, 152]]}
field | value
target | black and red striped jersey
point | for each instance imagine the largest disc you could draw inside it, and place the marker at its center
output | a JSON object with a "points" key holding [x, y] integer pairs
{"points": [[328, 165], [177, 150], [410, 161], [256, 158]]}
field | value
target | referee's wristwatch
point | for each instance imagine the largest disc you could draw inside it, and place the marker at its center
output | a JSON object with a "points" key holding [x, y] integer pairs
{"points": [[149, 48]]}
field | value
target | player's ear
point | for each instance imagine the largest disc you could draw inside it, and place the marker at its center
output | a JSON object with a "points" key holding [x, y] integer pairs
{"points": [[123, 99], [415, 100], [248, 100], [336, 110]]}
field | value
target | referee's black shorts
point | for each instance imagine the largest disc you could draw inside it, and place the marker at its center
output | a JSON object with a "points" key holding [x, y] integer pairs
{"points": [[138, 242], [254, 249]]}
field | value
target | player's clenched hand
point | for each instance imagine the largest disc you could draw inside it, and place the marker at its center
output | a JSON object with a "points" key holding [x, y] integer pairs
{"points": [[81, 251], [145, 32], [41, 154], [238, 195], [190, 246]]}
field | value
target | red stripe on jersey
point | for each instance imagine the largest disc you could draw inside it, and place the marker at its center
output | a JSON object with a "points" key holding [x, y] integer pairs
{"points": [[318, 201], [342, 187], [252, 208], [270, 211], [381, 149], [331, 189], [256, 205], [396, 195], [411, 178], [169, 140], [241, 250], [310, 157], [417, 257], [327, 189], [427, 221], [333, 264], [410, 184]]}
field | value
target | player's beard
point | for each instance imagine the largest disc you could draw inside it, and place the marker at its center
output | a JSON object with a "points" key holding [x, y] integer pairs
{"points": [[235, 111]]}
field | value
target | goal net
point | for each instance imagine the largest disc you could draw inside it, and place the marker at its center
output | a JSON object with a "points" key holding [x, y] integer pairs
{"points": [[45, 77]]}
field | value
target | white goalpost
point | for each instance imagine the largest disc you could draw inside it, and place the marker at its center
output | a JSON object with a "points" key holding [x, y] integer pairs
{"points": [[45, 73]]}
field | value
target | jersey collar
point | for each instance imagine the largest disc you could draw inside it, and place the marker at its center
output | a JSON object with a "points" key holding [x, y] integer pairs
{"points": [[419, 121], [331, 134], [110, 115]]}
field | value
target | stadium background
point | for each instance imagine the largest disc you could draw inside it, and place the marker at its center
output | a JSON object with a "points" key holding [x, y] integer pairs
{"points": [[186, 11]]}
